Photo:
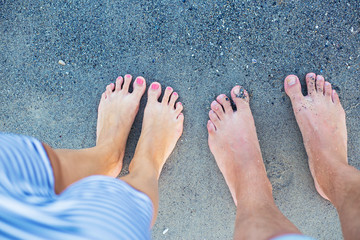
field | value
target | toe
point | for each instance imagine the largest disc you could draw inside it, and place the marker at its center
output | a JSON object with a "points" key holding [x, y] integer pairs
{"points": [[103, 96], [217, 108], [119, 82], [214, 118], [180, 117], [109, 89], [328, 89], [310, 83], [225, 102], [240, 97], [154, 91], [179, 108], [139, 86], [173, 98], [320, 84], [293, 88], [335, 97], [210, 127], [127, 82], [166, 97]]}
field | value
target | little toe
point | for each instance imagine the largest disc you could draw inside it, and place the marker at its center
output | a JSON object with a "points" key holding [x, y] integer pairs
{"points": [[214, 118], [127, 82], [103, 96], [310, 83], [110, 89], [293, 88], [328, 89], [240, 97], [166, 97], [335, 97], [154, 91], [180, 117], [218, 109], [178, 108], [225, 102], [320, 84], [173, 98], [118, 84], [139, 86], [210, 127]]}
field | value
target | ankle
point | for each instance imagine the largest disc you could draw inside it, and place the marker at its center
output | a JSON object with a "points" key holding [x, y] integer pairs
{"points": [[111, 154], [345, 186], [145, 166], [256, 192]]}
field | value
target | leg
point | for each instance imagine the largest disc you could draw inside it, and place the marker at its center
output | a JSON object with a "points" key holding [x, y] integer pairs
{"points": [[321, 119], [117, 111], [162, 127], [235, 146]]}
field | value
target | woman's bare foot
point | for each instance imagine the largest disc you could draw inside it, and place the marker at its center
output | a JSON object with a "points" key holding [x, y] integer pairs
{"points": [[235, 146], [116, 114], [321, 119], [161, 129]]}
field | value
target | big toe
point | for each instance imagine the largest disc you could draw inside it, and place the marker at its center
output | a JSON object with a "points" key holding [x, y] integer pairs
{"points": [[154, 91], [240, 97], [139, 86], [293, 88]]}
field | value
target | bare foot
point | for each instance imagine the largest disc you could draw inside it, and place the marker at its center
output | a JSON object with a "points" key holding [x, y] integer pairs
{"points": [[116, 114], [235, 146], [161, 129], [321, 119]]}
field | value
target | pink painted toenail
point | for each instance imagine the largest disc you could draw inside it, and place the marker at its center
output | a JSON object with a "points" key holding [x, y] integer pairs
{"points": [[128, 76], [291, 80], [175, 93], [155, 86], [180, 103], [169, 88], [139, 81]]}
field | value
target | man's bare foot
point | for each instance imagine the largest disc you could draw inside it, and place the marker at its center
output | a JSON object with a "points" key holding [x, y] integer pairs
{"points": [[235, 146], [321, 119], [116, 114], [161, 129]]}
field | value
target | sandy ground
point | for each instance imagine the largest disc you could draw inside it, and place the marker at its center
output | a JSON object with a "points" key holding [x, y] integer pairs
{"points": [[201, 50]]}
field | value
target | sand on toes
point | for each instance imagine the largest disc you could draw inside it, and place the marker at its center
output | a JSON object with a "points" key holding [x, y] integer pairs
{"points": [[161, 129], [321, 120], [234, 144], [116, 113]]}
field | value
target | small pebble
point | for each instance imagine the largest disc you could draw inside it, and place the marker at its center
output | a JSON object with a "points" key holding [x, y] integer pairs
{"points": [[61, 62], [254, 60], [165, 231]]}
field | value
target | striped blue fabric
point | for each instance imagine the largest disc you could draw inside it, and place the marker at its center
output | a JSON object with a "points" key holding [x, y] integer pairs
{"points": [[96, 207], [292, 237]]}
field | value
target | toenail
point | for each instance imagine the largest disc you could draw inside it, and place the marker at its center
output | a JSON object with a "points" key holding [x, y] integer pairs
{"points": [[312, 75], [237, 90], [139, 81], [155, 86], [175, 93], [169, 89], [128, 76], [291, 80], [327, 84]]}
